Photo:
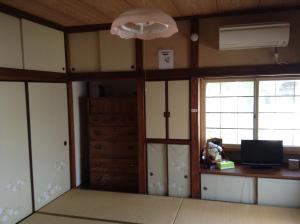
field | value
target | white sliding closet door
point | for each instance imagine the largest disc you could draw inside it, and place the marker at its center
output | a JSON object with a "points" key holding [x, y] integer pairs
{"points": [[157, 169], [49, 134], [179, 170], [15, 185]]}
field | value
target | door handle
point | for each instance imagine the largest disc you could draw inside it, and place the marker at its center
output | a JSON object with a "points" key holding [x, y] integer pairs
{"points": [[65, 143]]}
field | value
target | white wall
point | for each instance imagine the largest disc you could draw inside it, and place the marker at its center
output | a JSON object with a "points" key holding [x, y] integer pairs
{"points": [[79, 106]]}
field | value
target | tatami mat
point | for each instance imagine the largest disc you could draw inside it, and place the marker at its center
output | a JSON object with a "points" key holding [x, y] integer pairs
{"points": [[97, 207], [50, 219], [132, 208], [212, 212]]}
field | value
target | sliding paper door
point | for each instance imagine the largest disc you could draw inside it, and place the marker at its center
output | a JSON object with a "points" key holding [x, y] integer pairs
{"points": [[15, 185], [49, 134]]}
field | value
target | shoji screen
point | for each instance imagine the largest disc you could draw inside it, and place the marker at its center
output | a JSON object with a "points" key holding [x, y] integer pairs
{"points": [[15, 185], [49, 134]]}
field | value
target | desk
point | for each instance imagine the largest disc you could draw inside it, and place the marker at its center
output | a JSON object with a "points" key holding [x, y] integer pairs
{"points": [[241, 170]]}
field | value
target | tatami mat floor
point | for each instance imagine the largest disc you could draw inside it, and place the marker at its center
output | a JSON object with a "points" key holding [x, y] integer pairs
{"points": [[97, 207]]}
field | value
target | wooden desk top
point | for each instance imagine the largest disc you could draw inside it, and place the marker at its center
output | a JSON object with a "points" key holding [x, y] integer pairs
{"points": [[241, 170]]}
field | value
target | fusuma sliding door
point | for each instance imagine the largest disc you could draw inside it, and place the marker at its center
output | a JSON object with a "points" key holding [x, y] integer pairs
{"points": [[15, 184], [49, 135]]}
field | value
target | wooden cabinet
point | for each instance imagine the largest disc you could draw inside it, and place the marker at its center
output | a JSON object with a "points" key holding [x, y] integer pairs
{"points": [[167, 102], [278, 192], [15, 184], [228, 188], [169, 170], [84, 52], [49, 137], [157, 169], [116, 54], [10, 42], [155, 108], [179, 180], [113, 143], [43, 47]]}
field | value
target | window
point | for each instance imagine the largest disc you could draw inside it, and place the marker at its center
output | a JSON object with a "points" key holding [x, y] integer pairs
{"points": [[236, 111], [279, 111], [229, 111]]}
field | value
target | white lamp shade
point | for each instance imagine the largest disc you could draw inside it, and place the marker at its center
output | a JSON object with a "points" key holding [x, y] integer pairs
{"points": [[144, 23]]}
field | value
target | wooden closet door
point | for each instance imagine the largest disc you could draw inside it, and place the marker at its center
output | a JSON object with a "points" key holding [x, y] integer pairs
{"points": [[178, 103], [15, 184], [49, 136], [155, 98], [157, 169]]}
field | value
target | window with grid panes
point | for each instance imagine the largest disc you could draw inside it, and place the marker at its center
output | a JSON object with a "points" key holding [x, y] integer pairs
{"points": [[229, 110], [234, 112]]}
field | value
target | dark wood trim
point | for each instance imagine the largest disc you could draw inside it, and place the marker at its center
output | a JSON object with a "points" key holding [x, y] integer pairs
{"points": [[67, 53], [142, 153], [29, 144], [141, 118], [195, 138], [71, 135], [169, 141], [167, 112], [256, 11], [139, 55], [10, 74], [187, 73], [91, 76], [194, 60], [167, 74], [88, 28], [25, 15], [248, 70]]}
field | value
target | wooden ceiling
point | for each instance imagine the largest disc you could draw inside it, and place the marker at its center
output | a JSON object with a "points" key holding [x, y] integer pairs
{"points": [[86, 12]]}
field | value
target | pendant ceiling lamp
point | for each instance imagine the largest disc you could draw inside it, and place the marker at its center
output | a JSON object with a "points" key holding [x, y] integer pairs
{"points": [[144, 23]]}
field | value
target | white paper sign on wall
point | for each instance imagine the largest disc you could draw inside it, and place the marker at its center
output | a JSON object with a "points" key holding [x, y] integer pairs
{"points": [[166, 59]]}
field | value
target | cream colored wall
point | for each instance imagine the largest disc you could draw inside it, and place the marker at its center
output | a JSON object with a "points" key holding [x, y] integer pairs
{"points": [[180, 42], [210, 56]]}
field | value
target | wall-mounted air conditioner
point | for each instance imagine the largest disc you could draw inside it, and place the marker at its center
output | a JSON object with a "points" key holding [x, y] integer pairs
{"points": [[254, 36]]}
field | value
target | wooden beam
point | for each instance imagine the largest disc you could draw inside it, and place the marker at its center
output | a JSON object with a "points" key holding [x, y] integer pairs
{"points": [[91, 76], [139, 58], [25, 15], [88, 28], [195, 137], [71, 135], [194, 44], [142, 158], [9, 74], [141, 124]]}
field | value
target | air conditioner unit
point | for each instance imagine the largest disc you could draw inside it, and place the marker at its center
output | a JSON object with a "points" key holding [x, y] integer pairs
{"points": [[250, 36]]}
